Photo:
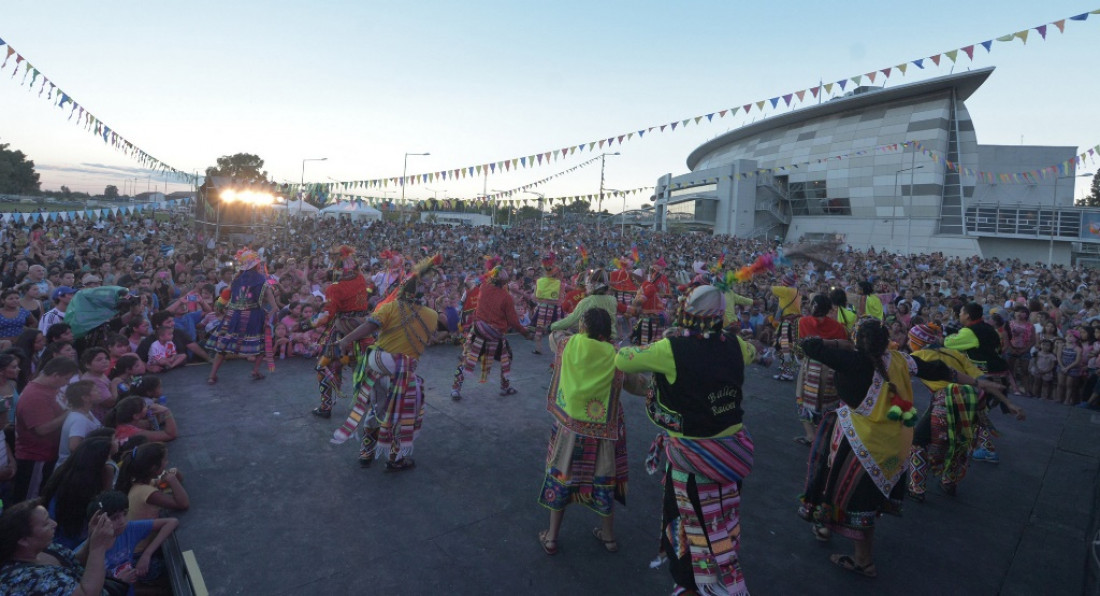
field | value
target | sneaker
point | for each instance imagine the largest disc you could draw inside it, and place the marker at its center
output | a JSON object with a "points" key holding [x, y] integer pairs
{"points": [[455, 395], [981, 454], [318, 412]]}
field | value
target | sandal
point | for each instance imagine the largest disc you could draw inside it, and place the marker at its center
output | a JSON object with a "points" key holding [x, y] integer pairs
{"points": [[509, 391], [400, 465], [803, 441], [610, 546], [550, 547], [822, 533], [847, 563], [212, 380], [258, 376]]}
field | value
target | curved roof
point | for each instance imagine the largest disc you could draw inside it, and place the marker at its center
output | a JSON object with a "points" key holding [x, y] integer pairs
{"points": [[964, 84]]}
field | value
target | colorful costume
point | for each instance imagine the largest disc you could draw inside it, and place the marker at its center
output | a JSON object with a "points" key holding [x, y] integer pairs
{"points": [[346, 307], [982, 344], [859, 457], [404, 331], [786, 337], [941, 443], [696, 398], [650, 304], [243, 329], [495, 315], [815, 392], [586, 459], [548, 291]]}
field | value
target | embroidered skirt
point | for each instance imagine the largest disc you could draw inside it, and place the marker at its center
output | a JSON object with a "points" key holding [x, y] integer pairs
{"points": [[585, 470]]}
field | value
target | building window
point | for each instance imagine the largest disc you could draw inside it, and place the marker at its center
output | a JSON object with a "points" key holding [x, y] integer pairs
{"points": [[693, 190], [704, 211], [810, 198]]}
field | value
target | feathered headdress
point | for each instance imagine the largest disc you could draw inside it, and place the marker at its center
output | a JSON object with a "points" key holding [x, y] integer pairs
{"points": [[492, 268], [634, 253], [345, 257]]}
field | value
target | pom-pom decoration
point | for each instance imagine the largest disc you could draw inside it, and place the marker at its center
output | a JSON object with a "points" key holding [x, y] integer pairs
{"points": [[764, 262]]}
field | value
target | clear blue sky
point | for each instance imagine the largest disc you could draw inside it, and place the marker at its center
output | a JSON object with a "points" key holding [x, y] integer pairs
{"points": [[361, 83]]}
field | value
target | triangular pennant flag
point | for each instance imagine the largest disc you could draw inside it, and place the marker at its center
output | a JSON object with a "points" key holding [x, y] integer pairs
{"points": [[1081, 17], [935, 59], [871, 76], [1008, 37], [775, 101], [800, 94], [747, 107], [988, 45], [1022, 35], [886, 72], [787, 99], [902, 67], [952, 55], [1060, 24], [842, 84], [813, 90], [828, 87], [969, 51], [760, 105], [857, 79], [1042, 29], [919, 63]]}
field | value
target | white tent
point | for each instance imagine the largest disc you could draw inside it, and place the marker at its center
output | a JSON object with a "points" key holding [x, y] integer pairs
{"points": [[294, 207], [354, 210]]}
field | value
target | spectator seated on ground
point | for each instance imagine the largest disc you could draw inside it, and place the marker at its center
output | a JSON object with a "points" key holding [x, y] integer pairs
{"points": [[131, 417], [130, 559], [149, 483], [164, 354], [72, 485], [179, 338]]}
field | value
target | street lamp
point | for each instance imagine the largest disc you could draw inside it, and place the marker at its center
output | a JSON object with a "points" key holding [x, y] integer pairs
{"points": [[542, 198], [301, 186], [599, 206], [404, 172], [909, 214], [897, 198]]}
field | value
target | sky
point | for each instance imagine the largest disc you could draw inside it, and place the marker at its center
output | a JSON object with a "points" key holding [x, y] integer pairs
{"points": [[361, 83]]}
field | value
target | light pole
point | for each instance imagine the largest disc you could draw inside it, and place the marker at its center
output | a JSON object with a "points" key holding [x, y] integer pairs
{"points": [[1054, 213], [301, 186], [909, 213], [599, 206], [542, 199], [897, 199], [404, 173]]}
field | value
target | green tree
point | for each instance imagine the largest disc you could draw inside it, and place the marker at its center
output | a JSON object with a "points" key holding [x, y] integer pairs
{"points": [[1093, 198], [17, 175], [65, 192], [111, 192], [233, 171]]}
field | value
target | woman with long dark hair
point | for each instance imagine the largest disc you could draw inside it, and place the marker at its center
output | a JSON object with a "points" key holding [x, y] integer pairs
{"points": [[815, 392], [857, 465], [29, 343]]}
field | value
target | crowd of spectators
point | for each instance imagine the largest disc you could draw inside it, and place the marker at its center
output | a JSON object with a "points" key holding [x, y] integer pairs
{"points": [[80, 420]]}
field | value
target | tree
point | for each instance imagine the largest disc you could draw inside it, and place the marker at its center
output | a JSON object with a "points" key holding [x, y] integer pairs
{"points": [[111, 192], [65, 192], [234, 171], [1093, 198], [17, 175]]}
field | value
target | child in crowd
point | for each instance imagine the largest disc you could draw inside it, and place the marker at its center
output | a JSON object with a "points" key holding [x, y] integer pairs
{"points": [[281, 341], [1042, 370], [163, 354], [80, 421], [149, 484], [127, 369], [150, 389], [1070, 369], [131, 418], [117, 346]]}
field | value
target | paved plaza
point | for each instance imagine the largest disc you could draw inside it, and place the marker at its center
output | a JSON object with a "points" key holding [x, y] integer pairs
{"points": [[277, 509]]}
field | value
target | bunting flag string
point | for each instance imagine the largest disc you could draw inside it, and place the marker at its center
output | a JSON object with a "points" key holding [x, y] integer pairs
{"points": [[790, 99], [99, 213], [84, 117]]}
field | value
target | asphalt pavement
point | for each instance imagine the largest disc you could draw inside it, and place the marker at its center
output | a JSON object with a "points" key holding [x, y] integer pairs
{"points": [[277, 509]]}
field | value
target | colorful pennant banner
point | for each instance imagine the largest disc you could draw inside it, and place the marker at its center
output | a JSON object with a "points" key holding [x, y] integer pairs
{"points": [[84, 117], [99, 213], [789, 99]]}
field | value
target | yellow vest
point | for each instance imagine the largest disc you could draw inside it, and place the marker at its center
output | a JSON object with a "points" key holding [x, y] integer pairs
{"points": [[547, 288]]}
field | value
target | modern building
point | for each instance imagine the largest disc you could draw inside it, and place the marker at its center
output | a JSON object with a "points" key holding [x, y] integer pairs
{"points": [[781, 178]]}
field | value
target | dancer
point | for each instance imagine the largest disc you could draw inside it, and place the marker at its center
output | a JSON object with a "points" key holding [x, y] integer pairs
{"points": [[786, 337], [547, 300], [942, 438], [624, 286], [346, 307], [981, 343], [649, 306], [404, 330], [495, 316], [696, 398], [586, 459], [243, 329], [815, 391], [868, 304], [858, 460], [597, 298]]}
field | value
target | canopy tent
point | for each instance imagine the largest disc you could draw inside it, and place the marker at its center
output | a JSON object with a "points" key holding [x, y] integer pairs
{"points": [[295, 207], [354, 210]]}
